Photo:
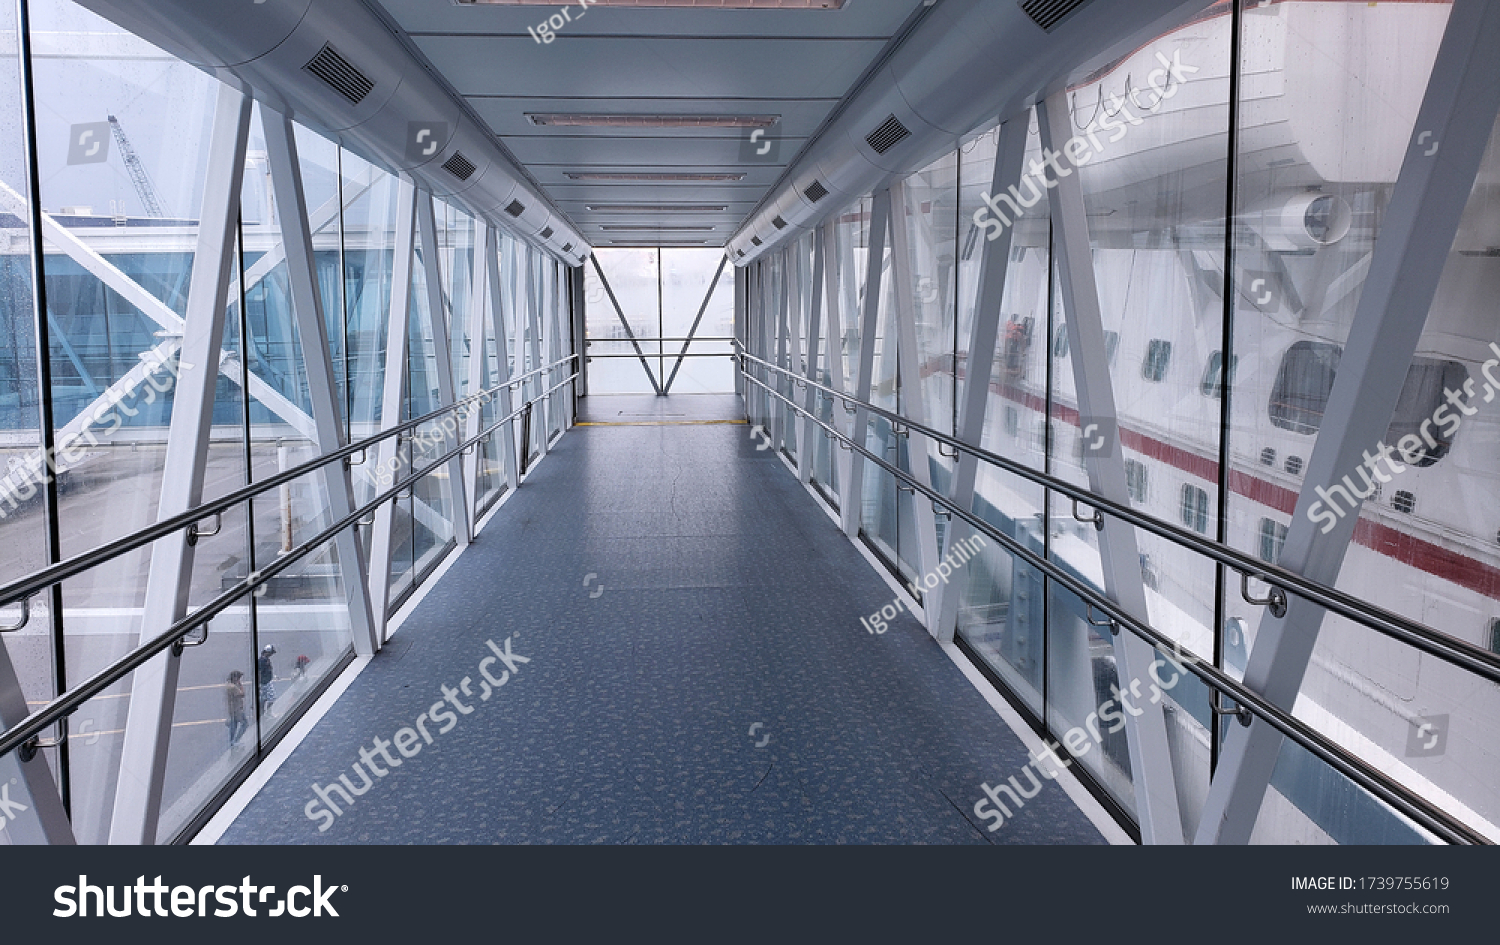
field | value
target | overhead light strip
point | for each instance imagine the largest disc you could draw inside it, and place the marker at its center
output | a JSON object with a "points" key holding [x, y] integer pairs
{"points": [[688, 178], [657, 208], [653, 228], [651, 121], [675, 4]]}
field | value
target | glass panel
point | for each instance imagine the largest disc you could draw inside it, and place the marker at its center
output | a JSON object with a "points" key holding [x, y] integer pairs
{"points": [[114, 361], [22, 515]]}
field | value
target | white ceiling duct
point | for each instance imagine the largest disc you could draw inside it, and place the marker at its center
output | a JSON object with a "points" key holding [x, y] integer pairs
{"points": [[968, 61], [336, 68]]}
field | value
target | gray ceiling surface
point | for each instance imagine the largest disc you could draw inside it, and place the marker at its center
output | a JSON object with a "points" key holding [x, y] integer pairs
{"points": [[794, 65]]}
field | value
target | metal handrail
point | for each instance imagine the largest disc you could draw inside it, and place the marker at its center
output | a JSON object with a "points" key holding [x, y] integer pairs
{"points": [[1397, 795], [1465, 655], [68, 702], [38, 580]]}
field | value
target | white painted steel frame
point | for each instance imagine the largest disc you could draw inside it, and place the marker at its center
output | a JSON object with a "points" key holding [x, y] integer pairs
{"points": [[312, 336], [918, 447], [994, 265], [148, 725], [477, 377], [1156, 803], [851, 497], [839, 462], [1432, 190], [502, 354], [393, 396], [806, 451], [442, 349]]}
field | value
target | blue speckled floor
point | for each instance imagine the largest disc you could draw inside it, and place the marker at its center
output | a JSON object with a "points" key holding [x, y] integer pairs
{"points": [[728, 599]]}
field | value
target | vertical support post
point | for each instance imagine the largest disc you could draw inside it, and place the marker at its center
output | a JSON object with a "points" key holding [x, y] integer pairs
{"points": [[502, 354], [153, 699], [1437, 176], [478, 373], [534, 343], [580, 337], [1146, 735], [805, 450], [852, 496], [741, 288], [918, 447], [781, 272], [312, 335], [393, 397], [442, 347], [839, 464], [1010, 152], [793, 294]]}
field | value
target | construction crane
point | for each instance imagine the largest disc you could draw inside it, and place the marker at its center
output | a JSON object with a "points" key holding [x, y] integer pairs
{"points": [[137, 170]]}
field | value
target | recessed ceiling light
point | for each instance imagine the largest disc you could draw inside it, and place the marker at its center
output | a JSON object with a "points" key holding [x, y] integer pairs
{"points": [[652, 121], [654, 228], [656, 208], [650, 243], [694, 178], [695, 4]]}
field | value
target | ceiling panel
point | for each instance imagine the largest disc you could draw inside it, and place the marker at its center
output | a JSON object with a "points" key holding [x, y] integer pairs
{"points": [[794, 64], [876, 19], [664, 153], [507, 114], [589, 66]]}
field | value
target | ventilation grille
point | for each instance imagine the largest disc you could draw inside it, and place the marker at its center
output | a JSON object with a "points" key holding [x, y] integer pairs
{"points": [[815, 191], [547, 233], [1048, 13], [742, 256], [756, 240], [890, 133], [779, 223], [340, 74], [459, 166], [567, 247], [516, 208]]}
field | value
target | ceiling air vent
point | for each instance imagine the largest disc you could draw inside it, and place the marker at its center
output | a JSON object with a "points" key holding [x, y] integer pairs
{"points": [[340, 74], [459, 166], [779, 223], [816, 191], [1048, 13], [890, 133], [546, 234], [756, 240], [567, 247], [516, 208]]}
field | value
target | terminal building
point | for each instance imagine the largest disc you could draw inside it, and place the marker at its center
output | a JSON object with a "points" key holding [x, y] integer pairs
{"points": [[749, 421]]}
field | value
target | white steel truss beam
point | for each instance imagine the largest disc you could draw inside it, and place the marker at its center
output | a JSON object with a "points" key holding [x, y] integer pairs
{"points": [[1146, 735], [148, 725], [994, 263], [312, 335], [442, 349], [1443, 157]]}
